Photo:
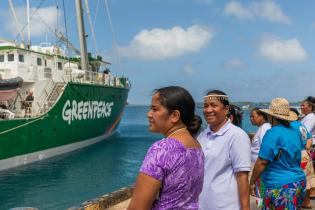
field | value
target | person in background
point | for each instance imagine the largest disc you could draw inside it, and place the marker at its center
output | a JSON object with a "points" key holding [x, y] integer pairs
{"points": [[259, 119], [279, 159], [196, 125], [307, 109], [28, 103], [236, 115], [227, 157], [306, 162], [172, 172]]}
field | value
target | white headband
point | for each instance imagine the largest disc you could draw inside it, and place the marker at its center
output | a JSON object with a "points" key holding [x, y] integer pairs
{"points": [[221, 97]]}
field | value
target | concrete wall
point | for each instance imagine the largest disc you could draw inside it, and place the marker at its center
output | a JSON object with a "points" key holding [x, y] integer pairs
{"points": [[106, 201]]}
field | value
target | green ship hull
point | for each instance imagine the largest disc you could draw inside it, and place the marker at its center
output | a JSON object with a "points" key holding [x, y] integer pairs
{"points": [[84, 114]]}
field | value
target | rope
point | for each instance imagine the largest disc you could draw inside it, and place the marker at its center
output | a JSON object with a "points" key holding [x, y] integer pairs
{"points": [[16, 21], [91, 25], [96, 12], [110, 22], [66, 28], [11, 129], [37, 8]]}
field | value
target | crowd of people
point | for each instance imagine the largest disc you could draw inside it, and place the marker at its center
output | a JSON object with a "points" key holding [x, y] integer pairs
{"points": [[221, 166]]}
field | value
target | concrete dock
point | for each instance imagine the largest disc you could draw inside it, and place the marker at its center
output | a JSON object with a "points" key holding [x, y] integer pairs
{"points": [[120, 199], [124, 205]]}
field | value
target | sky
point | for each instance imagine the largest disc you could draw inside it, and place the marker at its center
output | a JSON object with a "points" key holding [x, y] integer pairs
{"points": [[252, 50]]}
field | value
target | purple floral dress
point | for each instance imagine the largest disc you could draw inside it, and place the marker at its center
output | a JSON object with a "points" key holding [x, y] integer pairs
{"points": [[179, 169]]}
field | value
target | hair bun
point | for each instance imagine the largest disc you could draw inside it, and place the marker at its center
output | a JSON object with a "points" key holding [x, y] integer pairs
{"points": [[311, 99], [195, 125]]}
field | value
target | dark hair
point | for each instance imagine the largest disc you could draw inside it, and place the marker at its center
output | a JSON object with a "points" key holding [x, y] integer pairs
{"points": [[295, 111], [311, 101], [196, 124], [225, 102], [237, 114], [177, 98], [260, 113], [284, 122]]}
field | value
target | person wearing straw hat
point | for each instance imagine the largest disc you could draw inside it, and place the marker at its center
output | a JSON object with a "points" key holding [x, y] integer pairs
{"points": [[279, 159]]}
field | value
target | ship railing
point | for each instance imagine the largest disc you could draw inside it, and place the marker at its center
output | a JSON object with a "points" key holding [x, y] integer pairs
{"points": [[96, 78], [44, 102], [42, 99], [22, 109], [6, 114]]}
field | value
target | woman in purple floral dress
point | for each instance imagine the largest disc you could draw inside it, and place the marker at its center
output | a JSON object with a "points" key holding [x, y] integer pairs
{"points": [[171, 175]]}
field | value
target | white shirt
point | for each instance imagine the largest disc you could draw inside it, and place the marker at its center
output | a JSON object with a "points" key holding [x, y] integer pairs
{"points": [[257, 139], [226, 152], [309, 122]]}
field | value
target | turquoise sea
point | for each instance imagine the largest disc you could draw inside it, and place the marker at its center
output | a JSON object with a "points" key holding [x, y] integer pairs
{"points": [[69, 180]]}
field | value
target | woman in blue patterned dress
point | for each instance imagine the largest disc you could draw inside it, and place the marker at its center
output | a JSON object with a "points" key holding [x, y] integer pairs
{"points": [[279, 159]]}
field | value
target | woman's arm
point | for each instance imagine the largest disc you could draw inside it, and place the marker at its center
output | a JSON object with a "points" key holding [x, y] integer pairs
{"points": [[145, 192], [259, 167], [243, 189], [308, 146]]}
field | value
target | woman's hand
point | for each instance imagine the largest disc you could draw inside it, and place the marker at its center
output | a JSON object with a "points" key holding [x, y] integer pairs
{"points": [[252, 189]]}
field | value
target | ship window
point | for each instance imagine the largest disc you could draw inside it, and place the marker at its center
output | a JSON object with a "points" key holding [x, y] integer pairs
{"points": [[10, 57], [39, 61], [59, 65], [47, 73], [45, 62], [21, 58], [1, 58]]}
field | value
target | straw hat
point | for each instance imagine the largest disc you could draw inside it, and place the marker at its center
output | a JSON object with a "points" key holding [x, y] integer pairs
{"points": [[280, 109]]}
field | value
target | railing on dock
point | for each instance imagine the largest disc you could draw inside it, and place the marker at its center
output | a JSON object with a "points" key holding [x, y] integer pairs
{"points": [[106, 201]]}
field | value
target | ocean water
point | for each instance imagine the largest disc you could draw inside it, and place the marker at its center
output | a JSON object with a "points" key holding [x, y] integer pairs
{"points": [[69, 180]]}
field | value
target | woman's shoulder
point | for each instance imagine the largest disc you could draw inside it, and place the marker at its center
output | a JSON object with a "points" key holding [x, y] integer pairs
{"points": [[310, 117], [266, 125], [167, 144], [237, 131], [278, 131]]}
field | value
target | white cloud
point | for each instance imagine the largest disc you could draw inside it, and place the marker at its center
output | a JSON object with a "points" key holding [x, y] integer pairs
{"points": [[234, 63], [275, 49], [267, 10], [158, 44], [234, 8], [188, 69], [37, 27]]}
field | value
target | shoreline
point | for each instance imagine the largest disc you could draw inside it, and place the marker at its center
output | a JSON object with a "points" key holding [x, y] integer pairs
{"points": [[113, 200]]}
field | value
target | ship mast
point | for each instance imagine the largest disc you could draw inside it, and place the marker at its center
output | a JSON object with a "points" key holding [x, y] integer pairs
{"points": [[28, 24], [83, 49]]}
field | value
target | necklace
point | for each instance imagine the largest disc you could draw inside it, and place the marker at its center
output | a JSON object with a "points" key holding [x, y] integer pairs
{"points": [[176, 131]]}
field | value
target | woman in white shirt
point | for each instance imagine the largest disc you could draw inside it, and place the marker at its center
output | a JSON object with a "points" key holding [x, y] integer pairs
{"points": [[259, 119], [307, 109], [227, 158]]}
